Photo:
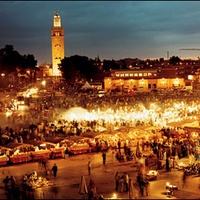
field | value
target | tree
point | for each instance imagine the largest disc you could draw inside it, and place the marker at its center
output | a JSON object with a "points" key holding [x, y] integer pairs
{"points": [[68, 69], [12, 63], [110, 64], [78, 67], [174, 60], [29, 67], [10, 59]]}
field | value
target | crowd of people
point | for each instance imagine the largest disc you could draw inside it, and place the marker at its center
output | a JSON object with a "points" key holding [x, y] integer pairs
{"points": [[43, 119]]}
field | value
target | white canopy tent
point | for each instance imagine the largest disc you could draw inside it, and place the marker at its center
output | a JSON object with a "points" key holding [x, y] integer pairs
{"points": [[86, 86]]}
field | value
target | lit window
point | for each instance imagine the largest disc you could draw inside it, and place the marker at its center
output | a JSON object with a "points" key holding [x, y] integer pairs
{"points": [[145, 74], [126, 75], [136, 74], [140, 74]]}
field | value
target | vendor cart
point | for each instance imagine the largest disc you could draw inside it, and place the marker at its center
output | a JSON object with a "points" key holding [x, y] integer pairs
{"points": [[152, 175]]}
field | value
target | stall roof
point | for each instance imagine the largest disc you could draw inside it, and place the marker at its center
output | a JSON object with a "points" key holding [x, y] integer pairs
{"points": [[3, 147], [74, 138], [190, 122], [89, 134], [13, 145], [35, 142], [54, 140], [194, 129]]}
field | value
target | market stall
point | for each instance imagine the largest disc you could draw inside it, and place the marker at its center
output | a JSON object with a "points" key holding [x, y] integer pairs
{"points": [[79, 147], [18, 152], [3, 155], [107, 140], [90, 137], [56, 150], [39, 150]]}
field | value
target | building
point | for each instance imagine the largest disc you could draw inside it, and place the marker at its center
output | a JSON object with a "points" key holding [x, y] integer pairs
{"points": [[147, 79], [57, 39]]}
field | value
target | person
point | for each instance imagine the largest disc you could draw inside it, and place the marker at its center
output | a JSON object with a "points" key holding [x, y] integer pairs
{"points": [[6, 182], [126, 181], [145, 185], [89, 167], [140, 182], [54, 169], [13, 182], [167, 165], [117, 177], [104, 157], [184, 177], [44, 163], [119, 145], [92, 190]]}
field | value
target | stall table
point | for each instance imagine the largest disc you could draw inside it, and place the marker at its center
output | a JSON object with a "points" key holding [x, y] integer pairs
{"points": [[3, 160], [79, 148], [58, 152], [18, 158], [40, 154]]}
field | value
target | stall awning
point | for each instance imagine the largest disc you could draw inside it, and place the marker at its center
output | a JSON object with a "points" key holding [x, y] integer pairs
{"points": [[192, 129], [14, 145]]}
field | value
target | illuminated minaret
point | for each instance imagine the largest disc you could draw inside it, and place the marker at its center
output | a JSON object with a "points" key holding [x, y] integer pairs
{"points": [[57, 39]]}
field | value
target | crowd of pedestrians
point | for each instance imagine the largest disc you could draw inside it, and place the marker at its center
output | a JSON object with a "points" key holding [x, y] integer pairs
{"points": [[38, 122]]}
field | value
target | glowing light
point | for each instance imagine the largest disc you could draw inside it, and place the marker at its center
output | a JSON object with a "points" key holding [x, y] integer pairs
{"points": [[43, 83], [114, 196], [16, 152]]}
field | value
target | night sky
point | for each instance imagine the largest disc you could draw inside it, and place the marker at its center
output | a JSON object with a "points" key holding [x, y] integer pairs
{"points": [[112, 30]]}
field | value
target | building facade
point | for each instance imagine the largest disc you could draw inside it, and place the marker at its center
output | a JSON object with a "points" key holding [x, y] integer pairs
{"points": [[147, 79], [57, 39]]}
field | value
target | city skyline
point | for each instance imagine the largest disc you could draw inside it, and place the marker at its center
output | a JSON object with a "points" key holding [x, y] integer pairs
{"points": [[112, 30]]}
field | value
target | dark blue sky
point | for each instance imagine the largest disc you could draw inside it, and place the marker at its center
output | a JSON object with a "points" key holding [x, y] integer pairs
{"points": [[112, 30]]}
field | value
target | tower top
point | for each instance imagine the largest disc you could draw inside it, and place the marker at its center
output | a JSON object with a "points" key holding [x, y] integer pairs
{"points": [[56, 13], [56, 20]]}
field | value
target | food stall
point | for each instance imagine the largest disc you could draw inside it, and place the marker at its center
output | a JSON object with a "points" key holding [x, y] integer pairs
{"points": [[54, 145], [39, 150], [3, 155], [93, 143], [106, 140], [78, 145], [18, 152]]}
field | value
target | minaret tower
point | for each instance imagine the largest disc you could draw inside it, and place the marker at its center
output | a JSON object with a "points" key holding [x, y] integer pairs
{"points": [[57, 40]]}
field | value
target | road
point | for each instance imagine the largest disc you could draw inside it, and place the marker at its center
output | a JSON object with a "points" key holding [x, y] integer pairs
{"points": [[70, 170]]}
